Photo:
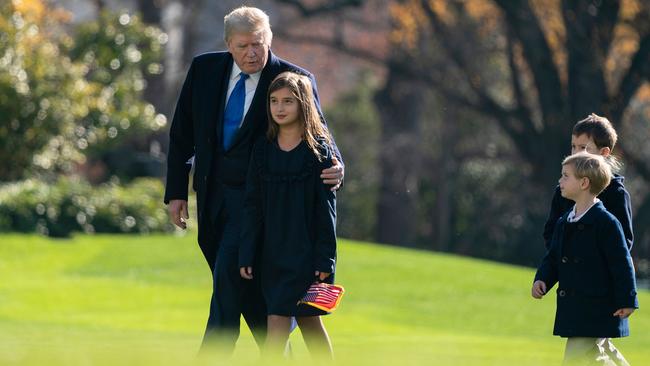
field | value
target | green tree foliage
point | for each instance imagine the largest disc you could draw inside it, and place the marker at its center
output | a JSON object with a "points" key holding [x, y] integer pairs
{"points": [[477, 105], [353, 120], [67, 93]]}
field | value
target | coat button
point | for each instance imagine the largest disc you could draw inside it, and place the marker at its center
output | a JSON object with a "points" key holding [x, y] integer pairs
{"points": [[581, 226], [561, 293], [205, 178], [576, 260], [632, 293], [565, 259]]}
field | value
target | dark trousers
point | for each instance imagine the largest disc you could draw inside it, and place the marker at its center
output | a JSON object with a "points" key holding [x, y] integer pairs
{"points": [[232, 295]]}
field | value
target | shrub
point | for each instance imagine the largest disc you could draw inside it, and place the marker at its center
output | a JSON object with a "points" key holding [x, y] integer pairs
{"points": [[69, 93], [72, 204]]}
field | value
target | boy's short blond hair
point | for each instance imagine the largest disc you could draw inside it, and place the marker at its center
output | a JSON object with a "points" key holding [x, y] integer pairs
{"points": [[246, 19], [593, 167]]}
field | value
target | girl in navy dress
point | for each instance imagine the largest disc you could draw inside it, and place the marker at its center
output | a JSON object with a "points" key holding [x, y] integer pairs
{"points": [[289, 233]]}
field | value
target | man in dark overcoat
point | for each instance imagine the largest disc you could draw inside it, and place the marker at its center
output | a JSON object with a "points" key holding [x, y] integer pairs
{"points": [[220, 113]]}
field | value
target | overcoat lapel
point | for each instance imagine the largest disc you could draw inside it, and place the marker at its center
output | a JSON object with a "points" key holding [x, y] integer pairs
{"points": [[216, 83], [590, 217], [587, 220]]}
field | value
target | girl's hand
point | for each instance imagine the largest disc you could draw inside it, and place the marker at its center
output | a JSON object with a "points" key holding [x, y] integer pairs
{"points": [[322, 275], [623, 313], [246, 272], [539, 289]]}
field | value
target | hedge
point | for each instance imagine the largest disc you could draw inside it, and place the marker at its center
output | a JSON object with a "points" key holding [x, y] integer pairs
{"points": [[73, 205]]}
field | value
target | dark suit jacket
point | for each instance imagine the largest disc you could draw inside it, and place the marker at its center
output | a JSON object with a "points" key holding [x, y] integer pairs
{"points": [[615, 198], [591, 263], [197, 129]]}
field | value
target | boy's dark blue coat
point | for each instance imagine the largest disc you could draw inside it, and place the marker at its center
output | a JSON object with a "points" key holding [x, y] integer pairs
{"points": [[590, 260], [615, 198]]}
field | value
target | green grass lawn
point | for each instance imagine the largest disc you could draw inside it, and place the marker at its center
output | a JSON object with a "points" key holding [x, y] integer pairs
{"points": [[143, 300]]}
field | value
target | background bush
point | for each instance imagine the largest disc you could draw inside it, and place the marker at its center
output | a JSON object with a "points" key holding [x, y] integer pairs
{"points": [[71, 93], [72, 205]]}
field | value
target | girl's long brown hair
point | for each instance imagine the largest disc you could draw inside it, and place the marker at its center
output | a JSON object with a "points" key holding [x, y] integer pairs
{"points": [[313, 128]]}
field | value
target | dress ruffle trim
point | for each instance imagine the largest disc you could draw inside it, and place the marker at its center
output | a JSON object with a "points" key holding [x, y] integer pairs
{"points": [[306, 171]]}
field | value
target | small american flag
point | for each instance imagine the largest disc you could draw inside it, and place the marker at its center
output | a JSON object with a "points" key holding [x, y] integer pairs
{"points": [[323, 296]]}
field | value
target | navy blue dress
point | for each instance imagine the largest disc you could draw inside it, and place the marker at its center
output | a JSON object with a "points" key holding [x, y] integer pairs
{"points": [[290, 223]]}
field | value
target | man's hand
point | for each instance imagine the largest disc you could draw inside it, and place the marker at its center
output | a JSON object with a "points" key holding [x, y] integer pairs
{"points": [[246, 272], [624, 312], [178, 212], [539, 289], [334, 175], [322, 275]]}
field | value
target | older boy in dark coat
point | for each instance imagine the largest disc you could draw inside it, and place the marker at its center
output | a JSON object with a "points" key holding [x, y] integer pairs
{"points": [[596, 135], [590, 261]]}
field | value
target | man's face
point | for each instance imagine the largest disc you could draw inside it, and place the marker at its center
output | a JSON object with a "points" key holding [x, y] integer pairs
{"points": [[249, 51]]}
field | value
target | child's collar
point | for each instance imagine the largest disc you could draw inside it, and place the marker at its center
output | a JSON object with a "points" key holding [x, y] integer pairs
{"points": [[572, 215]]}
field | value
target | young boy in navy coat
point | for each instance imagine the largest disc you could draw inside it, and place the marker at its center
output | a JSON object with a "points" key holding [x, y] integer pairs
{"points": [[591, 263], [596, 135]]}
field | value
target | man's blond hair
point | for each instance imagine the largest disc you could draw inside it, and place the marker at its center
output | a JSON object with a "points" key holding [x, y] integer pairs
{"points": [[246, 19], [593, 167]]}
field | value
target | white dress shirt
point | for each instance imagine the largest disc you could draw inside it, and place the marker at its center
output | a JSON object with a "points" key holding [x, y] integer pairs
{"points": [[572, 215]]}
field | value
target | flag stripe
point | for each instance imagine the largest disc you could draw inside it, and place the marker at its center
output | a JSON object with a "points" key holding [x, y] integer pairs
{"points": [[323, 296]]}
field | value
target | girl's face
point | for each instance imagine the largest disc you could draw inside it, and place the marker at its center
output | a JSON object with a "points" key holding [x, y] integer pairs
{"points": [[284, 107]]}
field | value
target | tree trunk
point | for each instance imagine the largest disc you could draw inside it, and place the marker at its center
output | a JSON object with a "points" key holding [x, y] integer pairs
{"points": [[443, 173], [588, 38], [399, 105], [156, 91]]}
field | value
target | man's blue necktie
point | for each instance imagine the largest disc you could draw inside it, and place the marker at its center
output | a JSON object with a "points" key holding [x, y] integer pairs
{"points": [[234, 111]]}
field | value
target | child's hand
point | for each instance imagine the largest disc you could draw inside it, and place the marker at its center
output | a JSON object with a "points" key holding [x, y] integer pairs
{"points": [[246, 272], [623, 313], [322, 275], [539, 289]]}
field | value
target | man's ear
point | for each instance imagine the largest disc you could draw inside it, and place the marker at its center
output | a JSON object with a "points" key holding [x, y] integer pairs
{"points": [[584, 183], [605, 151]]}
